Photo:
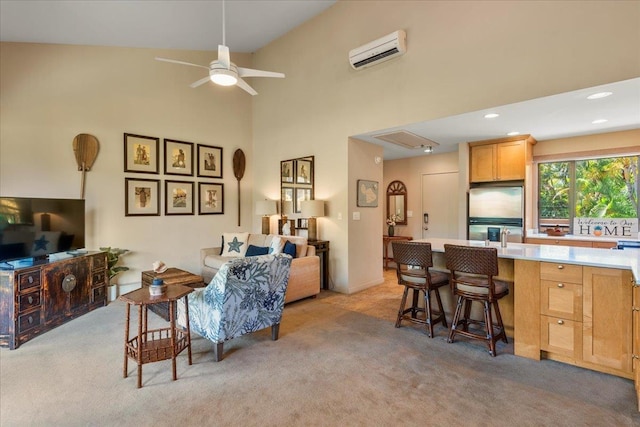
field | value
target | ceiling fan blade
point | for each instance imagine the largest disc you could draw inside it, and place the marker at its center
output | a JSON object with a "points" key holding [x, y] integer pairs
{"points": [[248, 72], [181, 62], [200, 82], [223, 56], [243, 85]]}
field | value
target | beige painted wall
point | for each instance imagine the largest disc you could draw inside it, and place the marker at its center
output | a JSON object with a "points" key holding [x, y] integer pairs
{"points": [[364, 235], [410, 172], [462, 56], [624, 141], [50, 93]]}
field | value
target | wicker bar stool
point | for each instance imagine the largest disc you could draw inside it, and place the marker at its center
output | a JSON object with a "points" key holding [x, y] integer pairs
{"points": [[421, 279], [478, 284]]}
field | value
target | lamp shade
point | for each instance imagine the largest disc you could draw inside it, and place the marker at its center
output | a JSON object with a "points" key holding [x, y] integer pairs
{"points": [[266, 207], [312, 208]]}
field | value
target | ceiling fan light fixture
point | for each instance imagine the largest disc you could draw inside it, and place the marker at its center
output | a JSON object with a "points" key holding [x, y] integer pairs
{"points": [[223, 77]]}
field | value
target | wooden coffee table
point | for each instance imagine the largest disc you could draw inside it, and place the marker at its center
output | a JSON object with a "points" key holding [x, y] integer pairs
{"points": [[171, 277]]}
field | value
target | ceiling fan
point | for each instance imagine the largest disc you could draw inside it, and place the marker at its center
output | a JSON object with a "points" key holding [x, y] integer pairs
{"points": [[222, 71]]}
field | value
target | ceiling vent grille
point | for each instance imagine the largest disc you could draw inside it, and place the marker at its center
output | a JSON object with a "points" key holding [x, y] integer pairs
{"points": [[406, 139]]}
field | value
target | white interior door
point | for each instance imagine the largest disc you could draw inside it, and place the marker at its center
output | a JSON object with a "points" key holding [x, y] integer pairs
{"points": [[440, 203]]}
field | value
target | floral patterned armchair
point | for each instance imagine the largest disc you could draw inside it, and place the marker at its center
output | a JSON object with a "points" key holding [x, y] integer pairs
{"points": [[245, 295]]}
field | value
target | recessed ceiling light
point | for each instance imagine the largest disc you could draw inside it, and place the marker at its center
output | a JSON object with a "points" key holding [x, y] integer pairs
{"points": [[428, 149], [597, 122], [513, 133], [491, 115], [599, 95]]}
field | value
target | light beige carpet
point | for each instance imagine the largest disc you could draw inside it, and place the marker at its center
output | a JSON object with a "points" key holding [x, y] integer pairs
{"points": [[339, 361]]}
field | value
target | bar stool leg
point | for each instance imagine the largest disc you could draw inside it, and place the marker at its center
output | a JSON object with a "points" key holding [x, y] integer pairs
{"points": [[454, 322], [499, 319], [489, 325], [402, 304], [428, 312], [441, 308]]}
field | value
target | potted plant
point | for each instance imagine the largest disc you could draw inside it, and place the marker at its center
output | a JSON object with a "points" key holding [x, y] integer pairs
{"points": [[113, 257]]}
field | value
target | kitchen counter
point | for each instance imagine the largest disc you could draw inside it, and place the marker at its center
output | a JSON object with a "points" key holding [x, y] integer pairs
{"points": [[581, 314], [628, 259]]}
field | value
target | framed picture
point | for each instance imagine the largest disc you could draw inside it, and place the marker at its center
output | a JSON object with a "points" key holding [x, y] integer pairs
{"points": [[209, 161], [178, 157], [303, 223], [178, 198], [211, 198], [302, 194], [141, 153], [286, 171], [367, 193], [286, 198], [303, 171], [141, 197]]}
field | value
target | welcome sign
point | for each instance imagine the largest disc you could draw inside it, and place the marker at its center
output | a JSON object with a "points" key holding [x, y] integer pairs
{"points": [[606, 227]]}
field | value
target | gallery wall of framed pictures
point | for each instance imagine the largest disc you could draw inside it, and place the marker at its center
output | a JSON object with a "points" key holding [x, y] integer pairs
{"points": [[296, 183], [181, 161]]}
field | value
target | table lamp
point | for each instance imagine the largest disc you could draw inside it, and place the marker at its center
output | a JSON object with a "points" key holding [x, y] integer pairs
{"points": [[312, 209], [266, 208]]}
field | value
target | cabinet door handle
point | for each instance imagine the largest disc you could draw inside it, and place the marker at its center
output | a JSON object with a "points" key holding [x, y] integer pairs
{"points": [[560, 322], [30, 279], [30, 299], [30, 320], [560, 267], [560, 285]]}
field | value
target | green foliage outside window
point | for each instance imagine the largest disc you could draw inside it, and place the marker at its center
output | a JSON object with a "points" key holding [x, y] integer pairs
{"points": [[599, 188]]}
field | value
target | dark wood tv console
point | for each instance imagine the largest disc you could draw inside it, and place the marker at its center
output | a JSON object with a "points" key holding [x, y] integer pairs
{"points": [[35, 297]]}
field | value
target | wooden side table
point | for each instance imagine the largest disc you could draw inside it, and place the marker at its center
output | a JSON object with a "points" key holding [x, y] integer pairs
{"points": [[322, 250], [157, 344], [171, 277], [386, 240]]}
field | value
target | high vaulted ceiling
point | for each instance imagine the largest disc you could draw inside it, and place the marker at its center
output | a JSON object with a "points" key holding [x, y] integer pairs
{"points": [[250, 25], [164, 24]]}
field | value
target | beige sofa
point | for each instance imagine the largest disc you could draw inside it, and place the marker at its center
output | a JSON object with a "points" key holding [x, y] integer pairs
{"points": [[304, 278]]}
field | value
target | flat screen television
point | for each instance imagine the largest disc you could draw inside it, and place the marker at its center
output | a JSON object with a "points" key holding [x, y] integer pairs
{"points": [[37, 227]]}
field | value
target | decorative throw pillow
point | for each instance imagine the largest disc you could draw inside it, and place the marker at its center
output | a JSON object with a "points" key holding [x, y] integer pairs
{"points": [[277, 244], [289, 249], [256, 250], [235, 244]]}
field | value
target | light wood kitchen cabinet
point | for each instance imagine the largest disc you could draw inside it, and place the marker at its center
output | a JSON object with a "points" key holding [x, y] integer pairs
{"points": [[585, 317], [561, 309], [500, 159], [607, 301], [636, 340]]}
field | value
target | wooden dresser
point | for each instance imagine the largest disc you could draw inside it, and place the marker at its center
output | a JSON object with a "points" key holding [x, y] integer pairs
{"points": [[35, 297]]}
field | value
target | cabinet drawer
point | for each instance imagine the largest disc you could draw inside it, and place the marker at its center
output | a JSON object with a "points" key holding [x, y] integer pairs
{"points": [[29, 279], [98, 261], [561, 336], [28, 321], [27, 301], [97, 278], [562, 300], [561, 272], [99, 294]]}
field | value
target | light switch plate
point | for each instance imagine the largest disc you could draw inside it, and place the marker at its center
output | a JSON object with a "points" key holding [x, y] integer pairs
{"points": [[409, 214], [356, 216]]}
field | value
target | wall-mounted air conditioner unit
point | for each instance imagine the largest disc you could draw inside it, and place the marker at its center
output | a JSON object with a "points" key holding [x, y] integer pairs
{"points": [[382, 49]]}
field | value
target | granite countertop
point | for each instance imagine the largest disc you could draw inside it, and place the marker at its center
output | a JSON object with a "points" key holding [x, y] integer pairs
{"points": [[627, 259]]}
